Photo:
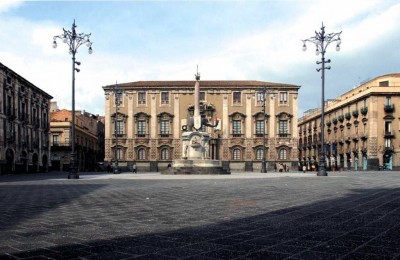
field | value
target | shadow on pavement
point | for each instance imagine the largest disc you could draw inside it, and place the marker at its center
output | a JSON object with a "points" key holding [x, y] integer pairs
{"points": [[362, 225]]}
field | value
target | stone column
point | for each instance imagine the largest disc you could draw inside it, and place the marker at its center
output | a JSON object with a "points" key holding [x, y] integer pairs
{"points": [[196, 116]]}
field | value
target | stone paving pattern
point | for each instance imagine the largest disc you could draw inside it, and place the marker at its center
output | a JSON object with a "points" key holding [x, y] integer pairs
{"points": [[290, 216]]}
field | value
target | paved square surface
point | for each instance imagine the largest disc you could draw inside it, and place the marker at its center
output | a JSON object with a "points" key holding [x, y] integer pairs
{"points": [[243, 216]]}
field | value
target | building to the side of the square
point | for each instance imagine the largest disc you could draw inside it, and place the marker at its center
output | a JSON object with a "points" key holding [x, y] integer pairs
{"points": [[362, 128], [24, 124], [89, 139], [144, 122]]}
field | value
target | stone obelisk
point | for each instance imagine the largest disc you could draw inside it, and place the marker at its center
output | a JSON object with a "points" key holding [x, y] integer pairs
{"points": [[196, 116]]}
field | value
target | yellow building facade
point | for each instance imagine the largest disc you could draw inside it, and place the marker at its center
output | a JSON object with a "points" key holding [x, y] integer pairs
{"points": [[362, 128], [144, 122], [89, 136]]}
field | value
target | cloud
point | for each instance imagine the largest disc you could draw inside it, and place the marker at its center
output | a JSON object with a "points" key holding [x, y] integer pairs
{"points": [[268, 51], [7, 5]]}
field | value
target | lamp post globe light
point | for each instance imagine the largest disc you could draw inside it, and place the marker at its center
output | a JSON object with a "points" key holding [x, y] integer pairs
{"points": [[322, 41], [74, 41]]}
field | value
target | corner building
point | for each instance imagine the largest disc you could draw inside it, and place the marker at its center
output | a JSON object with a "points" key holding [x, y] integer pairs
{"points": [[89, 137], [24, 125], [144, 121], [362, 128]]}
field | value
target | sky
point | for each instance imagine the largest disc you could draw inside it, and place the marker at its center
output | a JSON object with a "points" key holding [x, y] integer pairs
{"points": [[228, 40]]}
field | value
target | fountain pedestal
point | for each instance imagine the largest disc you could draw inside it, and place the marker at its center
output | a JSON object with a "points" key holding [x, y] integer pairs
{"points": [[195, 145], [195, 156]]}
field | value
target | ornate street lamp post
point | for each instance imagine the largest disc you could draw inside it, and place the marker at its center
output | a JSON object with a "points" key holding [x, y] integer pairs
{"points": [[74, 41], [117, 98], [264, 92], [321, 41]]}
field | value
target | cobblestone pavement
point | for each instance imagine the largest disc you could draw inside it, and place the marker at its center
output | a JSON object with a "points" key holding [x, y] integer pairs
{"points": [[243, 216]]}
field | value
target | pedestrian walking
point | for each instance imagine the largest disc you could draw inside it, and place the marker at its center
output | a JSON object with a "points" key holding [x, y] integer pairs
{"points": [[134, 169]]}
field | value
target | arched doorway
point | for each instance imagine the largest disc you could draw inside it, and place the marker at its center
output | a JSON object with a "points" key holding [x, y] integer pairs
{"points": [[387, 160], [349, 160], [55, 162], [34, 163], [364, 161], [24, 160], [341, 160], [356, 162], [44, 163], [9, 167]]}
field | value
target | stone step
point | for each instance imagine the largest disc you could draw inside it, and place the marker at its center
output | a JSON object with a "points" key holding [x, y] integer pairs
{"points": [[196, 170]]}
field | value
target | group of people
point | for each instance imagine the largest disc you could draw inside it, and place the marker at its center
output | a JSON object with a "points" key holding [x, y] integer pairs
{"points": [[280, 167], [110, 168]]}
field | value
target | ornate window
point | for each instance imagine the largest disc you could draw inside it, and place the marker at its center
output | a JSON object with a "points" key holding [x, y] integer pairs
{"points": [[260, 124], [142, 124], [237, 97], [165, 154], [236, 128], [283, 97], [118, 98], [141, 128], [141, 154], [164, 128], [388, 127], [164, 98], [260, 154], [388, 101], [260, 128], [119, 120], [141, 98], [120, 125], [260, 98], [202, 96], [388, 142], [237, 154], [283, 119], [283, 128], [165, 124], [56, 140], [120, 153], [282, 154], [237, 121]]}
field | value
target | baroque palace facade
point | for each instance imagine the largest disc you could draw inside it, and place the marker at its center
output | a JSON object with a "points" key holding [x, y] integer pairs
{"points": [[24, 124], [362, 128], [144, 122]]}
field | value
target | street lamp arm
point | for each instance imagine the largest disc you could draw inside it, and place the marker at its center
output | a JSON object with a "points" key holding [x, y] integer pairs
{"points": [[322, 41], [74, 40]]}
